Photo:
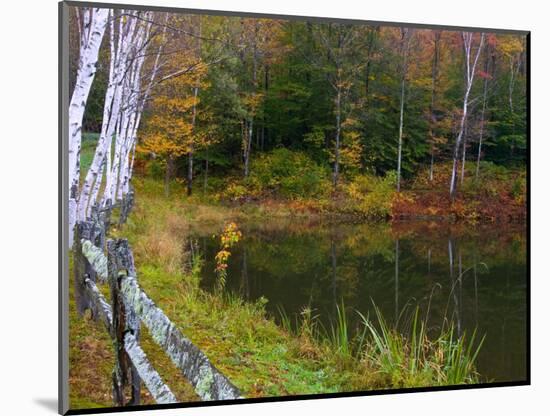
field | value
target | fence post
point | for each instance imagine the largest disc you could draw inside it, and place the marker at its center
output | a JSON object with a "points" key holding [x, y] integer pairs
{"points": [[126, 206], [82, 268], [125, 319], [106, 215], [96, 217]]}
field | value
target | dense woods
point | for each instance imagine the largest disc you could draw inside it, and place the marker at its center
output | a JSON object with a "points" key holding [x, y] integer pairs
{"points": [[215, 100], [213, 122]]}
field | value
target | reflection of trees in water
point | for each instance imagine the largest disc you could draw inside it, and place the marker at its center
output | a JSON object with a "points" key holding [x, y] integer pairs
{"points": [[460, 275], [396, 314]]}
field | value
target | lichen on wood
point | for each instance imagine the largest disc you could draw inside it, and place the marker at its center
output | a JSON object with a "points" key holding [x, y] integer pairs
{"points": [[96, 258], [100, 306], [160, 391], [208, 381]]}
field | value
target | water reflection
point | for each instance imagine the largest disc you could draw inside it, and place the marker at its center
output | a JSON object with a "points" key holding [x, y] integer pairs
{"points": [[475, 277]]}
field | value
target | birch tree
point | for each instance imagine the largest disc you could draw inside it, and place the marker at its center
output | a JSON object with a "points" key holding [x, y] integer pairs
{"points": [[91, 30], [253, 44], [119, 49], [471, 56], [435, 84], [194, 116], [406, 35], [129, 37]]}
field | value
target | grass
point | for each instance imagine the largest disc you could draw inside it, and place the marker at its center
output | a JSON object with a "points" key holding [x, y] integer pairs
{"points": [[416, 360], [259, 356], [388, 358]]}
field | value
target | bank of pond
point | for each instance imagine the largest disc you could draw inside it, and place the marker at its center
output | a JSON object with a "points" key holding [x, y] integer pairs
{"points": [[318, 304]]}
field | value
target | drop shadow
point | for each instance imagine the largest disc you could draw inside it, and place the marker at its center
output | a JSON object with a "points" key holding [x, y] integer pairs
{"points": [[48, 404]]}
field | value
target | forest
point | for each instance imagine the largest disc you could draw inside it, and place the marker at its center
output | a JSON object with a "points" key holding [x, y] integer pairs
{"points": [[251, 109], [316, 151]]}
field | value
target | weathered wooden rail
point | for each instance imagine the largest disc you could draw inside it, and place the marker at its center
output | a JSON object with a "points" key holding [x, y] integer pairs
{"points": [[130, 306]]}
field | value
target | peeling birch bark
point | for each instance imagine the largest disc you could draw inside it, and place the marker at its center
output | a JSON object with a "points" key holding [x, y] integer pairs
{"points": [[111, 111], [467, 40], [208, 381], [91, 35]]}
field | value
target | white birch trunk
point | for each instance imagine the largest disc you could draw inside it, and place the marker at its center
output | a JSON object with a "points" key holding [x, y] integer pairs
{"points": [[134, 116], [467, 39], [140, 106], [405, 51], [112, 107], [91, 35], [482, 125], [400, 141], [95, 190]]}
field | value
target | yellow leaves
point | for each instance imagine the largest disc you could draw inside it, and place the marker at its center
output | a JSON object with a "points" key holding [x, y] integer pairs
{"points": [[169, 129], [252, 101], [352, 149], [229, 237], [509, 45]]}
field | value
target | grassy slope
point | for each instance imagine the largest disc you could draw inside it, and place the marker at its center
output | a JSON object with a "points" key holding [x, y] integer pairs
{"points": [[261, 358], [257, 355]]}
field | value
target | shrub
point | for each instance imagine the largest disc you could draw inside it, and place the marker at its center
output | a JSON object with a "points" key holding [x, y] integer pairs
{"points": [[373, 195], [156, 169], [289, 174], [519, 189], [235, 191]]}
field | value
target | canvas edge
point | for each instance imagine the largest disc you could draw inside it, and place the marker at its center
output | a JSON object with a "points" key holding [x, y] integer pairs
{"points": [[64, 281], [63, 262], [316, 19]]}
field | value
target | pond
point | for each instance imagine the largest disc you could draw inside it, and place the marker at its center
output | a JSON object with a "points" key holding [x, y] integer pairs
{"points": [[475, 277]]}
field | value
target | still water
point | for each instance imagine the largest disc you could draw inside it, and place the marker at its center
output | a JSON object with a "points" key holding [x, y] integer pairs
{"points": [[476, 277]]}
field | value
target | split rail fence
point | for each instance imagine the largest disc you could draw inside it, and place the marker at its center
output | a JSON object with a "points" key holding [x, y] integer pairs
{"points": [[98, 260]]}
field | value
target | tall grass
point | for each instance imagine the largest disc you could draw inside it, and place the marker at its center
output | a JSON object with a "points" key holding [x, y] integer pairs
{"points": [[395, 357], [339, 334], [410, 358]]}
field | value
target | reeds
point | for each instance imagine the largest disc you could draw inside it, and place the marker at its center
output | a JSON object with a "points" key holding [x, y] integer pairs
{"points": [[409, 356]]}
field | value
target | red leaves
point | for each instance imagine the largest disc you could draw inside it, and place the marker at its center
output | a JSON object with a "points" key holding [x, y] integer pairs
{"points": [[484, 75]]}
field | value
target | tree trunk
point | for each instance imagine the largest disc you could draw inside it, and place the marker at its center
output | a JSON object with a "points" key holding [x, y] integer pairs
{"points": [[251, 116], [470, 73], [405, 51], [189, 173], [205, 186], [190, 154], [432, 166], [435, 76], [168, 175], [336, 172], [396, 281], [482, 119], [91, 35], [248, 145], [400, 142], [464, 142], [111, 111]]}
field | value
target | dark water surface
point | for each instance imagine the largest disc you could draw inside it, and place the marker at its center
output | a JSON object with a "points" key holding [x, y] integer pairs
{"points": [[294, 264]]}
